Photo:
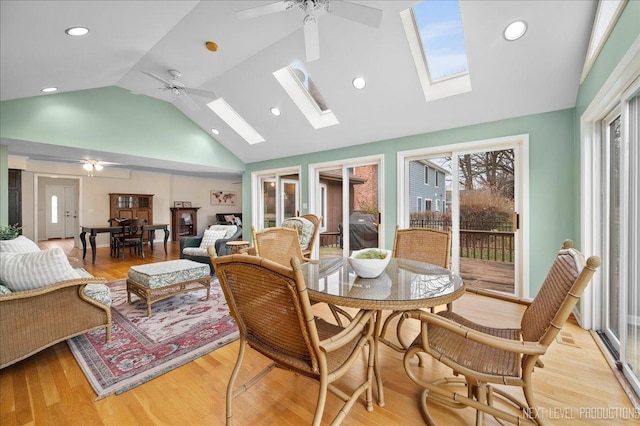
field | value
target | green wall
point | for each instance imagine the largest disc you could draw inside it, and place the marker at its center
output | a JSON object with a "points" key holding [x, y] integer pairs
{"points": [[111, 119], [626, 31], [4, 185], [551, 159], [554, 157]]}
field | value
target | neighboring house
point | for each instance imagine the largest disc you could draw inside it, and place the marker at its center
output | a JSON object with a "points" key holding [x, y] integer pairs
{"points": [[427, 190]]}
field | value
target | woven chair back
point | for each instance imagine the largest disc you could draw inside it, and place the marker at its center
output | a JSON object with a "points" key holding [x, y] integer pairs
{"points": [[278, 244], [271, 307], [563, 286], [424, 245]]}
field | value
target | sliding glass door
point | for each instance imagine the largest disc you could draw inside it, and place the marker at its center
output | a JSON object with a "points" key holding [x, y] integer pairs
{"points": [[620, 212], [278, 197], [348, 196], [474, 190]]}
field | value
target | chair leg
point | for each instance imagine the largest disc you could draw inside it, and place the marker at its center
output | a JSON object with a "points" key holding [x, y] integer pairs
{"points": [[322, 399], [232, 381]]}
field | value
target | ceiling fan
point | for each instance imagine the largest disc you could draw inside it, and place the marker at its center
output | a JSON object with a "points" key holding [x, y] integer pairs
{"points": [[177, 89], [312, 8]]}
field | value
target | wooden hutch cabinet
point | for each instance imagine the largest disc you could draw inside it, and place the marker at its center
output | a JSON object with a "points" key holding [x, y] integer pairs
{"points": [[184, 222], [129, 206]]}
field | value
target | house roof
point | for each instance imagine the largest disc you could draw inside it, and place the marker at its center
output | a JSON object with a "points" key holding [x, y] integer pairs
{"points": [[538, 73]]}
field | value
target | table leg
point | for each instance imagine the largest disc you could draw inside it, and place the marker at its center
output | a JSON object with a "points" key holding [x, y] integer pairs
{"points": [[376, 364], [92, 241], [83, 240], [152, 238], [166, 238]]}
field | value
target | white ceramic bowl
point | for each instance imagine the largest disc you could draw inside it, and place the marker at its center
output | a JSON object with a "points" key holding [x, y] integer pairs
{"points": [[369, 268]]}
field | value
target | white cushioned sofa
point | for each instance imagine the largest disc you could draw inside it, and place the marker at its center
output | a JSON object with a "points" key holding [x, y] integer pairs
{"points": [[44, 300]]}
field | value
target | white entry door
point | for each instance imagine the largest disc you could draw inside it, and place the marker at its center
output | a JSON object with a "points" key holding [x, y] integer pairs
{"points": [[60, 211]]}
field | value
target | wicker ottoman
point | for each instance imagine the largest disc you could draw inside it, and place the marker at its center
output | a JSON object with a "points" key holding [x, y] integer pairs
{"points": [[158, 281]]}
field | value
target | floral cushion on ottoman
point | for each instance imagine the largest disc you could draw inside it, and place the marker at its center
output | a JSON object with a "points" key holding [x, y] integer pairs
{"points": [[157, 275], [304, 227]]}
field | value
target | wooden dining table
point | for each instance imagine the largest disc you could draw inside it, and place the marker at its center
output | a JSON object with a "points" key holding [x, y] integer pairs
{"points": [[404, 285], [100, 229]]}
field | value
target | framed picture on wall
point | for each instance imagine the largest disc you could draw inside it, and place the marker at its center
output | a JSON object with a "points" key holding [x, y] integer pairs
{"points": [[224, 198], [177, 204], [186, 204]]}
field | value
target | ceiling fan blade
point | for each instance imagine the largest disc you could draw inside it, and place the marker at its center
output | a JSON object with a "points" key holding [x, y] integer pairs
{"points": [[265, 9], [187, 101], [365, 15], [160, 79], [311, 38], [203, 93]]}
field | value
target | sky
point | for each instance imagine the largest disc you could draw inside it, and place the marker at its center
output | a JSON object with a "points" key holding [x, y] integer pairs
{"points": [[440, 28]]}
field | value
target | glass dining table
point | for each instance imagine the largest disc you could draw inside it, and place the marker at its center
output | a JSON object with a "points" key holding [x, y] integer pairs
{"points": [[404, 285]]}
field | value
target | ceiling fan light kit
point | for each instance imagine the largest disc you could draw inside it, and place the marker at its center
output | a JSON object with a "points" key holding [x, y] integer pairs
{"points": [[179, 91], [365, 15]]}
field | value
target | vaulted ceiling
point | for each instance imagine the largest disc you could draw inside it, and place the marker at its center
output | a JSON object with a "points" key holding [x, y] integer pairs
{"points": [[538, 73]]}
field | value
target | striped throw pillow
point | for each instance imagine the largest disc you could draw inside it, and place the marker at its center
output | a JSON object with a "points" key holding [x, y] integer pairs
{"points": [[28, 271], [20, 244]]}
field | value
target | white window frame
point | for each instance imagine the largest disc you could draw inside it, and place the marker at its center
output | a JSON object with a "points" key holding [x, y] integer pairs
{"points": [[608, 97], [426, 175], [520, 144], [256, 191], [430, 201], [419, 204]]}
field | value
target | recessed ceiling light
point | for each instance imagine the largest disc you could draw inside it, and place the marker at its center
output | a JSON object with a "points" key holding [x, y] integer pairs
{"points": [[515, 30], [275, 111], [215, 131], [49, 89], [77, 31], [359, 83]]}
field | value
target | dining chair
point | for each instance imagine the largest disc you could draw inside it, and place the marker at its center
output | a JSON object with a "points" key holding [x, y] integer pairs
{"points": [[308, 226], [271, 307], [113, 221], [277, 244], [423, 245], [280, 245], [132, 236], [482, 356]]}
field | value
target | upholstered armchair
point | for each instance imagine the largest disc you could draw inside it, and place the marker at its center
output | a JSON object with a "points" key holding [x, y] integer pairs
{"points": [[195, 248]]}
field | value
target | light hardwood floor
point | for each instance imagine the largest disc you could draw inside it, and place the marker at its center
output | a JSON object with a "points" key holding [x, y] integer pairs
{"points": [[50, 389]]}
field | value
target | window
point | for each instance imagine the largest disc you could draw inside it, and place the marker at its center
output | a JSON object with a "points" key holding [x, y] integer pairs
{"points": [[54, 209], [235, 121], [306, 95], [436, 39], [427, 205], [437, 205], [437, 179], [426, 175], [419, 204]]}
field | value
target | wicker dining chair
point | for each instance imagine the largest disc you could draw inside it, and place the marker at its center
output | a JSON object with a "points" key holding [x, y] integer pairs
{"points": [[423, 245], [482, 356], [280, 245], [317, 221], [270, 304]]}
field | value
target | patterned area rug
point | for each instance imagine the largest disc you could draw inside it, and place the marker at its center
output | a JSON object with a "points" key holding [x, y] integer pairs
{"points": [[180, 329]]}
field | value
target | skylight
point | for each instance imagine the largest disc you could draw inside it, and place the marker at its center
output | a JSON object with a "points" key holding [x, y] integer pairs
{"points": [[305, 94], [436, 38], [235, 121]]}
